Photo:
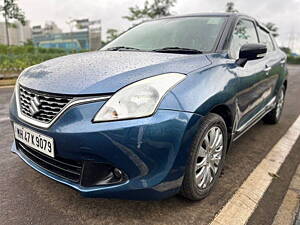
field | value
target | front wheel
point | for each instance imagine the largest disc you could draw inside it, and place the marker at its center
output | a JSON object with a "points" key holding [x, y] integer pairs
{"points": [[206, 158], [273, 117]]}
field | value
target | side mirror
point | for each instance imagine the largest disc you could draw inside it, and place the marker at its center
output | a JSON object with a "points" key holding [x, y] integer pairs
{"points": [[251, 52]]}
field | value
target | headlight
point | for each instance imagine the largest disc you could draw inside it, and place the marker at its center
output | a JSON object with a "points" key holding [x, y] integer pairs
{"points": [[139, 99]]}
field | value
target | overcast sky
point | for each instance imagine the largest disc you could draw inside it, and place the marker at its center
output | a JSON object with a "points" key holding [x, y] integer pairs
{"points": [[284, 13]]}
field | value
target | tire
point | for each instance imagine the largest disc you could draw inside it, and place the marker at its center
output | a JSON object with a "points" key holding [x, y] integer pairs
{"points": [[197, 189], [273, 117]]}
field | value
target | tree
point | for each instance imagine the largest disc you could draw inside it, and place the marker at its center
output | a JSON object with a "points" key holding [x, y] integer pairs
{"points": [[11, 10], [273, 28], [287, 50], [153, 10], [111, 34], [230, 7], [28, 43]]}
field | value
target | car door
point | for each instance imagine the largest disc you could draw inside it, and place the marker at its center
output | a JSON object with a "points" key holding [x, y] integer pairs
{"points": [[273, 60], [252, 90]]}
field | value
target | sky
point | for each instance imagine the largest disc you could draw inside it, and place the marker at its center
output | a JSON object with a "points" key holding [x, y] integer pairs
{"points": [[284, 13]]}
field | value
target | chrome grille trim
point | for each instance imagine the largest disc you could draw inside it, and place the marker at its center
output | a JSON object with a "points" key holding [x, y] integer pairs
{"points": [[38, 106], [51, 108]]}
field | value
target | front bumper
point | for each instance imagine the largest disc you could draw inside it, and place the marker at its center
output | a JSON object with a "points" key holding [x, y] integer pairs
{"points": [[151, 151]]}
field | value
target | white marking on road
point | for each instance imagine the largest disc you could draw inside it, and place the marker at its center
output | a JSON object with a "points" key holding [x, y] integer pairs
{"points": [[4, 119], [241, 206]]}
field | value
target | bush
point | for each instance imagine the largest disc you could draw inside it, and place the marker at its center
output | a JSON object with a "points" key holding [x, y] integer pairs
{"points": [[17, 58], [26, 49], [17, 63], [293, 59]]}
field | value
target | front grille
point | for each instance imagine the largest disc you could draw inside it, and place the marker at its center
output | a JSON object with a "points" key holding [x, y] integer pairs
{"points": [[41, 106], [65, 168]]}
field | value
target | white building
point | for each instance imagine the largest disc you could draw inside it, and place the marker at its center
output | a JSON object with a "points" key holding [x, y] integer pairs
{"points": [[49, 28], [95, 38], [18, 34]]}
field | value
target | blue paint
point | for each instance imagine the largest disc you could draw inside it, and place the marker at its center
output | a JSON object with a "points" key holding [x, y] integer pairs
{"points": [[152, 151]]}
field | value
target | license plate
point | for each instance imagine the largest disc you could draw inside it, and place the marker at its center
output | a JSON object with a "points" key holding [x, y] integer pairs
{"points": [[34, 140]]}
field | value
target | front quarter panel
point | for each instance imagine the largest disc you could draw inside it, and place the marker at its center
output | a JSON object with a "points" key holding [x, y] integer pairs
{"points": [[204, 89]]}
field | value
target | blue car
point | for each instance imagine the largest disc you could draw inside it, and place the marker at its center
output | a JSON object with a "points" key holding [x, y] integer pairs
{"points": [[153, 113]]}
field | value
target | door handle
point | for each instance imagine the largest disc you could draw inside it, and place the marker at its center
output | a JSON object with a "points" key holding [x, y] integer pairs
{"points": [[267, 69]]}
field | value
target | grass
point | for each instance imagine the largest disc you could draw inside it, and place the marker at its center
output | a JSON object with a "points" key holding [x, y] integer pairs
{"points": [[293, 59]]}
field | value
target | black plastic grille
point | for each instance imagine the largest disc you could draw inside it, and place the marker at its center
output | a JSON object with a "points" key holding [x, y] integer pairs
{"points": [[65, 168], [41, 106]]}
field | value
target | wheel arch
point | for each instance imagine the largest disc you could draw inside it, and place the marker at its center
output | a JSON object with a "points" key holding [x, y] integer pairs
{"points": [[228, 116], [285, 83]]}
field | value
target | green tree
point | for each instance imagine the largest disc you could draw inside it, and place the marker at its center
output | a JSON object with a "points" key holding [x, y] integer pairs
{"points": [[273, 28], [111, 34], [230, 7], [156, 9], [287, 50], [28, 43], [11, 10]]}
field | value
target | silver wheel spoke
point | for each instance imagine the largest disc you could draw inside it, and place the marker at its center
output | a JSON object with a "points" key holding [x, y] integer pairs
{"points": [[219, 142], [215, 163], [212, 137], [202, 152], [216, 138], [206, 141], [203, 178], [216, 158], [201, 164], [200, 175], [280, 104], [208, 177]]}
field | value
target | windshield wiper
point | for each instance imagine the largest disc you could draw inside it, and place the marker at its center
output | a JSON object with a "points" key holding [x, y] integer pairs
{"points": [[122, 48], [178, 50]]}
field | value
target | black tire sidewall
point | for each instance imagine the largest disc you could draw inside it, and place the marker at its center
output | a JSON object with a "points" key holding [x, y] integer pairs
{"points": [[189, 180]]}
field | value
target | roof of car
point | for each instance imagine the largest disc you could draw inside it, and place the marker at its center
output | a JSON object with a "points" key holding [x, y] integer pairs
{"points": [[211, 14], [224, 14]]}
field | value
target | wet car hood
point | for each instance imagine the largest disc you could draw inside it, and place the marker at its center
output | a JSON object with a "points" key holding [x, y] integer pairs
{"points": [[105, 71]]}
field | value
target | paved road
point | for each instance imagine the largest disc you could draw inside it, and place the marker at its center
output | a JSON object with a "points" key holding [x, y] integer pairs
{"points": [[27, 197]]}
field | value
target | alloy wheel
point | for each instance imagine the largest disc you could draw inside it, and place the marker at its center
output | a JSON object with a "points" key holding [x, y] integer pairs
{"points": [[280, 103], [209, 157]]}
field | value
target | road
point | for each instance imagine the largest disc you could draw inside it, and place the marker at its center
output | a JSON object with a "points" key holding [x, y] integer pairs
{"points": [[28, 197]]}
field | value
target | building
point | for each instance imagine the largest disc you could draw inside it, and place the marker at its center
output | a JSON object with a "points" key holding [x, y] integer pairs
{"points": [[69, 41], [84, 38], [95, 38], [18, 34], [49, 28], [37, 30]]}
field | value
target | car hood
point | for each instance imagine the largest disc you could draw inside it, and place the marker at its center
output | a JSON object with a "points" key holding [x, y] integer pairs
{"points": [[103, 72]]}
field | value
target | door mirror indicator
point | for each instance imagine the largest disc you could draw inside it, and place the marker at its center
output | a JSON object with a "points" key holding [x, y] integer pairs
{"points": [[251, 52]]}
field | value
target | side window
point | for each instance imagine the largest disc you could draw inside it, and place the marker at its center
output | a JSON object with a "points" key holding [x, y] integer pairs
{"points": [[264, 38], [274, 42], [244, 33]]}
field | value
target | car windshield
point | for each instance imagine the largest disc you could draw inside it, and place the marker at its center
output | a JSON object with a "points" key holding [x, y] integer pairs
{"points": [[182, 33]]}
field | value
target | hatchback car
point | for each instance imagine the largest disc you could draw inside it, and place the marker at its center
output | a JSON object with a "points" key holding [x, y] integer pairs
{"points": [[152, 113]]}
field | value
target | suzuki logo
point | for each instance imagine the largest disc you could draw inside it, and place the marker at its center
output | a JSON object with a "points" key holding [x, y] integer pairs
{"points": [[34, 104]]}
